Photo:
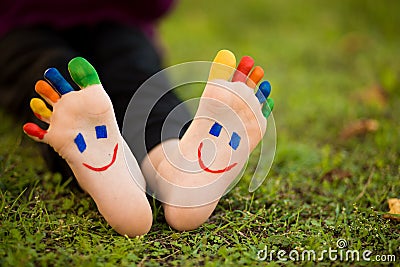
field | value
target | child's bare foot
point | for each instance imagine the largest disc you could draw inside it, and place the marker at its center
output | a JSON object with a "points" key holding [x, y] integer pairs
{"points": [[229, 123], [83, 130]]}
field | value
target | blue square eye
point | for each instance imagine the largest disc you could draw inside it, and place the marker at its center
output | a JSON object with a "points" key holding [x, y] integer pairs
{"points": [[216, 129], [235, 141], [101, 131], [80, 142]]}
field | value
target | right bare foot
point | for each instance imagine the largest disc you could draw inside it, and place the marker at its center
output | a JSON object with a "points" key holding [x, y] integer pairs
{"points": [[228, 125]]}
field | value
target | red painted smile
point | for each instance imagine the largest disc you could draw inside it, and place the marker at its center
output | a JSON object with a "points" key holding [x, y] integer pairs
{"points": [[100, 169], [205, 168]]}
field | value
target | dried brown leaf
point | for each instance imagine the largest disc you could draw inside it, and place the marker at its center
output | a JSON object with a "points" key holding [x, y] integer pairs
{"points": [[359, 128], [394, 206]]}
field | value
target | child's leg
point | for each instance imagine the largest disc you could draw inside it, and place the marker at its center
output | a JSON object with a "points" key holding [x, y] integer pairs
{"points": [[84, 131], [25, 53], [124, 65], [228, 125]]}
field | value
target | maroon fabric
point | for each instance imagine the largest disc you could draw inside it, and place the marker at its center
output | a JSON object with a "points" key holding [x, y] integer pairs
{"points": [[65, 14]]}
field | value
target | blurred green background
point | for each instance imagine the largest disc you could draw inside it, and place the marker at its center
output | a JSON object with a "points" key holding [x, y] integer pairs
{"points": [[330, 64], [335, 73]]}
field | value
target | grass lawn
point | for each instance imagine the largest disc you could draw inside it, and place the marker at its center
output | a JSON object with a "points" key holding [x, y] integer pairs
{"points": [[334, 67]]}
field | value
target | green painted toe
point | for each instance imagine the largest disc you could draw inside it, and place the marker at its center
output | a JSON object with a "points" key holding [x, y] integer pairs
{"points": [[82, 72], [268, 107]]}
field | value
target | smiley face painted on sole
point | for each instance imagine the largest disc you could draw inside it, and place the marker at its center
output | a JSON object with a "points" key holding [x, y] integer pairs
{"points": [[233, 143], [101, 133], [82, 128]]}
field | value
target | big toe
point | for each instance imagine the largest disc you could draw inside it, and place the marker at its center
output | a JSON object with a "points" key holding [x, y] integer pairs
{"points": [[223, 65], [82, 72]]}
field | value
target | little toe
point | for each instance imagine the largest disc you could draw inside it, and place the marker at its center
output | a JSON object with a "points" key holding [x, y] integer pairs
{"points": [[54, 77], [223, 65], [243, 69], [47, 92], [35, 132], [268, 107], [82, 72]]}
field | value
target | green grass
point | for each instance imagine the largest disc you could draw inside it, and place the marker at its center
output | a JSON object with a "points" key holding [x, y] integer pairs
{"points": [[322, 58]]}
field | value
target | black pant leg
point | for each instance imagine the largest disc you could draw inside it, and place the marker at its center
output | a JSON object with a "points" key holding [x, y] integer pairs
{"points": [[125, 58], [25, 55]]}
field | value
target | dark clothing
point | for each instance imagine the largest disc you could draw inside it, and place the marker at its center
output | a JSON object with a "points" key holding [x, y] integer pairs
{"points": [[67, 14], [123, 55]]}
